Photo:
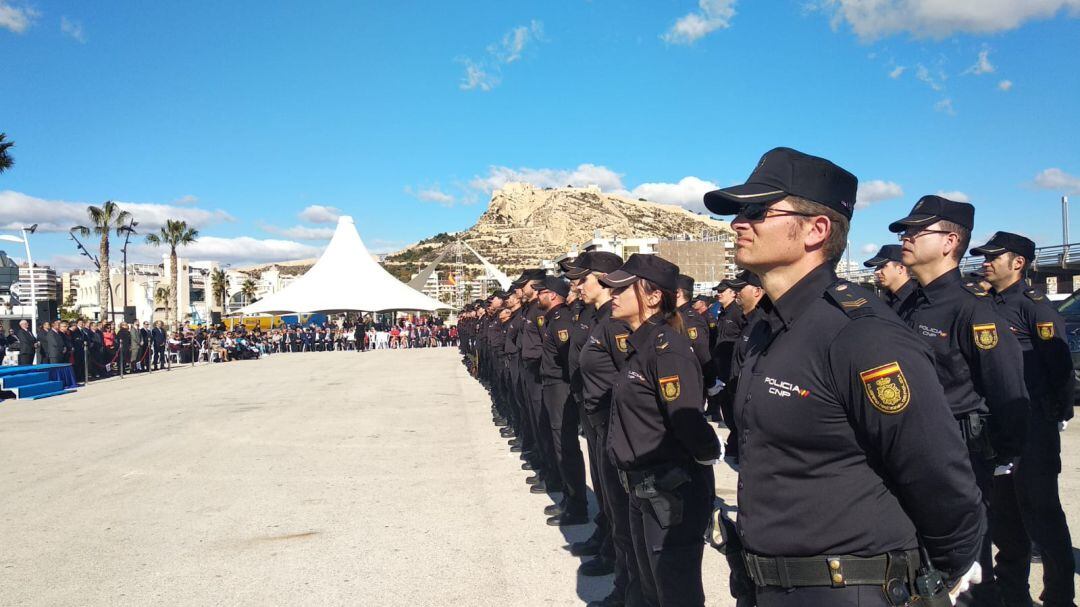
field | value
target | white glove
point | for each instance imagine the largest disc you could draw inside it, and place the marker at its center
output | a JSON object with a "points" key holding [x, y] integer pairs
{"points": [[969, 579], [1003, 470], [1062, 425], [716, 388]]}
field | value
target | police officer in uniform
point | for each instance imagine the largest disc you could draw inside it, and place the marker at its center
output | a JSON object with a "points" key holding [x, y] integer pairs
{"points": [[749, 295], [658, 437], [892, 276], [597, 366], [729, 325], [562, 410], [518, 436], [979, 361], [1027, 506], [697, 329], [532, 348], [849, 455]]}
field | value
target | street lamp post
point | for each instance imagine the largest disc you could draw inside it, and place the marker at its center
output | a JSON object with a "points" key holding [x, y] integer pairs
{"points": [[128, 231]]}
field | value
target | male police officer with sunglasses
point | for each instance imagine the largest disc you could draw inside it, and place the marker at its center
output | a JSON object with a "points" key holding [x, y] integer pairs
{"points": [[1026, 503], [849, 455], [891, 275], [978, 360]]}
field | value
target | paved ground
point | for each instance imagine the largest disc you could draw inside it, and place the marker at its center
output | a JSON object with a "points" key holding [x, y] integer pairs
{"points": [[302, 479]]}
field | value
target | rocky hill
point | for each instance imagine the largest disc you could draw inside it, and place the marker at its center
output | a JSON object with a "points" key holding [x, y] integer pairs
{"points": [[524, 225]]}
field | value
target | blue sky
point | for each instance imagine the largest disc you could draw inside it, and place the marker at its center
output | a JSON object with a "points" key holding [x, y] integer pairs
{"points": [[258, 123]]}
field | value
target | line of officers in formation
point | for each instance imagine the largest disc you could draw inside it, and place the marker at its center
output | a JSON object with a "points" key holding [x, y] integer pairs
{"points": [[883, 446]]}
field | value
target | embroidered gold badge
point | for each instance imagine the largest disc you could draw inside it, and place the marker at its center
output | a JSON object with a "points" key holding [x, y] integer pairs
{"points": [[886, 388], [564, 334], [692, 333], [539, 321], [986, 336], [1046, 330], [669, 387], [620, 341]]}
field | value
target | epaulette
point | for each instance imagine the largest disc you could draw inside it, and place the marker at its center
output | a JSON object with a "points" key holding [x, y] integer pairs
{"points": [[853, 302], [661, 342], [1034, 295], [974, 288]]}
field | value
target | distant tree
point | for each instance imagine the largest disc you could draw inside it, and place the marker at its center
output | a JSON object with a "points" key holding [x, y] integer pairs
{"points": [[219, 285], [104, 219], [248, 290], [173, 234], [6, 161]]}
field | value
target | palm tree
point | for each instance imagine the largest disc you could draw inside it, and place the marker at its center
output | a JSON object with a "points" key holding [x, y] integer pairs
{"points": [[219, 286], [103, 219], [248, 290], [175, 233], [5, 158], [161, 296]]}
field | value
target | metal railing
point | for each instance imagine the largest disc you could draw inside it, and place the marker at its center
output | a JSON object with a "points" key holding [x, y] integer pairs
{"points": [[1056, 257]]}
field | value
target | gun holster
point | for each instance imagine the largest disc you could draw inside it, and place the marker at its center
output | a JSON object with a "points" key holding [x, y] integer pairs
{"points": [[659, 490]]}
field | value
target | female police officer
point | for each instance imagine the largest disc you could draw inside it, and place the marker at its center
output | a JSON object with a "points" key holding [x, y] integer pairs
{"points": [[658, 437]]}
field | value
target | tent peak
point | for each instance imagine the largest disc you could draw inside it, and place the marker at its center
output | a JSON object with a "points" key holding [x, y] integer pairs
{"points": [[345, 219]]}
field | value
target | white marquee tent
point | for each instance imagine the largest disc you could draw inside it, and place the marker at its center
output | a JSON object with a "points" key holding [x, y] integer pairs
{"points": [[345, 279]]}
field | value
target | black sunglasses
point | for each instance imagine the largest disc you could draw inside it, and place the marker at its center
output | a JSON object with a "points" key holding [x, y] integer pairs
{"points": [[757, 211]]}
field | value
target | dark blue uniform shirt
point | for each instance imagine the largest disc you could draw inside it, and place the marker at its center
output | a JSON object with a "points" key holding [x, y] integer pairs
{"points": [[978, 361], [601, 359], [847, 445]]}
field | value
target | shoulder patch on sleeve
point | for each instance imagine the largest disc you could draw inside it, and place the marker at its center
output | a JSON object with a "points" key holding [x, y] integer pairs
{"points": [[1046, 330], [692, 333], [564, 335], [620, 341], [986, 336], [669, 387], [886, 388]]}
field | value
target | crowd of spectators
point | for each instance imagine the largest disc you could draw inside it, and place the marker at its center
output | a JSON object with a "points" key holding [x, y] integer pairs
{"points": [[102, 349]]}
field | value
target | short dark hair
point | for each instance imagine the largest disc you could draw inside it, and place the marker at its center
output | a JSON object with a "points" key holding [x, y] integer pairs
{"points": [[836, 242], [964, 235]]}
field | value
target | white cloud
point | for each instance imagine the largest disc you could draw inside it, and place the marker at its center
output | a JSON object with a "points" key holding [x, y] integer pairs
{"points": [[873, 19], [243, 249], [73, 29], [935, 80], [432, 194], [1005, 85], [18, 209], [897, 72], [714, 15], [956, 195], [486, 73], [583, 175], [300, 232], [945, 106], [869, 249], [982, 64], [514, 42], [477, 77], [16, 18], [1056, 179], [66, 263], [318, 213], [187, 199], [688, 192], [876, 190]]}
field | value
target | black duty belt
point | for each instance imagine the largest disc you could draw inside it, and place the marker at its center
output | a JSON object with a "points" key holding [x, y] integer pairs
{"points": [[835, 571]]}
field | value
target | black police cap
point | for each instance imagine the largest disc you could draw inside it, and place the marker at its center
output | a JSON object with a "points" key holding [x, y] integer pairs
{"points": [[660, 271], [723, 285], [705, 299], [1001, 242], [686, 283], [746, 277], [889, 252], [782, 172], [595, 261], [568, 263], [931, 209], [555, 285]]}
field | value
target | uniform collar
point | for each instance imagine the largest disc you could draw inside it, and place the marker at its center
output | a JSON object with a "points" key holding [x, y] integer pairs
{"points": [[798, 298], [604, 311], [686, 306], [1016, 288], [941, 284], [644, 334], [905, 290]]}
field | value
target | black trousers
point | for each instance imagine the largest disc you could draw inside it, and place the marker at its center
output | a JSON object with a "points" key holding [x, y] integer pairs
{"points": [[78, 365], [563, 421], [544, 452], [159, 355], [1027, 508], [26, 359], [986, 591], [602, 533], [669, 559], [617, 504], [726, 400]]}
